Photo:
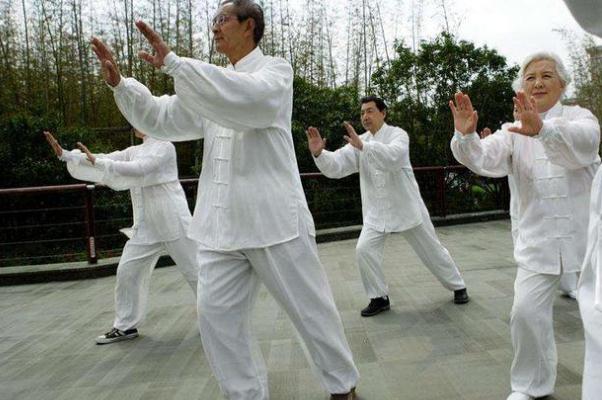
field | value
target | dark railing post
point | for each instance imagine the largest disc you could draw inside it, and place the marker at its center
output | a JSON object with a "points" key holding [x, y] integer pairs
{"points": [[90, 224], [441, 192]]}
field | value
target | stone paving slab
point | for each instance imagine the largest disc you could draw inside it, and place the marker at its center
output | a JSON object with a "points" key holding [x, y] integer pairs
{"points": [[425, 348]]}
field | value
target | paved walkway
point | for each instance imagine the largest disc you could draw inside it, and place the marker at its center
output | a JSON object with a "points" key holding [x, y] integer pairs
{"points": [[425, 348]]}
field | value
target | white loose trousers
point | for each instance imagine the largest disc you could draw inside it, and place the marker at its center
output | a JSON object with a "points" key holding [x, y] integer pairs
{"points": [[292, 273], [134, 272], [426, 245], [533, 369], [592, 325]]}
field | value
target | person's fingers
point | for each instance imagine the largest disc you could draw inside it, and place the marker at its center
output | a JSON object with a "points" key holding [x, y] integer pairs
{"points": [[349, 129], [533, 103], [152, 36], [518, 105], [452, 107], [324, 143], [83, 148], [516, 129], [475, 117], [97, 52], [49, 139], [468, 102], [522, 98], [101, 49], [458, 97], [347, 139], [146, 57]]}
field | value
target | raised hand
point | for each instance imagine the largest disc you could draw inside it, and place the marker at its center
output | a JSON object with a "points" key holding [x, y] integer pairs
{"points": [[314, 141], [485, 132], [88, 153], [352, 138], [465, 117], [160, 48], [530, 120], [58, 150], [109, 68]]}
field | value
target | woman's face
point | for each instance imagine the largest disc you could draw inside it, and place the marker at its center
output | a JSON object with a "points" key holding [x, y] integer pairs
{"points": [[542, 82]]}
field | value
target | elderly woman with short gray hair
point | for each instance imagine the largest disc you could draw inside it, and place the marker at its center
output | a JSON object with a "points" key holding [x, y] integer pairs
{"points": [[552, 154]]}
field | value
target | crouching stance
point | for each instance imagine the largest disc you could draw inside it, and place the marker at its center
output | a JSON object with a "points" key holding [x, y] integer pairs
{"points": [[161, 219], [391, 202]]}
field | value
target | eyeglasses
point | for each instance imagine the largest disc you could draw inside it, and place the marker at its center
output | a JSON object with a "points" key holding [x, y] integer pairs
{"points": [[221, 19]]}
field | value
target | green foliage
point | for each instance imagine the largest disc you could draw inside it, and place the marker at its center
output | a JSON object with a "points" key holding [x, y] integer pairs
{"points": [[324, 108], [418, 87]]}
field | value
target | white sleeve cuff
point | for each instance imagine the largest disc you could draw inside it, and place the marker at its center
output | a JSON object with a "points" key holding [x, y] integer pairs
{"points": [[170, 63], [119, 87], [462, 137]]}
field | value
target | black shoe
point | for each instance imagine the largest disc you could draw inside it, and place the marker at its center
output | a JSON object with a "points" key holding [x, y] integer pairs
{"points": [[344, 396], [376, 306], [116, 335], [461, 296]]}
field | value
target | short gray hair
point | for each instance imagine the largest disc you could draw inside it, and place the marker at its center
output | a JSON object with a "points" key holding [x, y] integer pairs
{"points": [[561, 70]]}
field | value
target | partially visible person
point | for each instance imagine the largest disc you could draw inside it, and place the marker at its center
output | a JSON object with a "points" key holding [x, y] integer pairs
{"points": [[588, 14]]}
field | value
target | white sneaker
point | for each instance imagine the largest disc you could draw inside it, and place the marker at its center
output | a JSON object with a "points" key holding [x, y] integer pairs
{"points": [[519, 396], [571, 294]]}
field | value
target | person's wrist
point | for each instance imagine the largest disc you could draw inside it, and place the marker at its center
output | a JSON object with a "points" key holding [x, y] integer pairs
{"points": [[317, 154]]}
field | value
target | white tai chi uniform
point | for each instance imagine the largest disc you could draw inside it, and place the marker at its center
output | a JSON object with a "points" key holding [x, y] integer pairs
{"points": [[589, 14], [391, 202], [590, 297], [251, 215], [552, 175], [161, 219], [568, 280]]}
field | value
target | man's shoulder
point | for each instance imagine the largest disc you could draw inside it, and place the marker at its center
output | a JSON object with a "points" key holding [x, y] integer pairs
{"points": [[277, 62], [396, 130]]}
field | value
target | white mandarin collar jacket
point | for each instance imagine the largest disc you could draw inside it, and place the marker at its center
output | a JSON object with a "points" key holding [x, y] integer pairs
{"points": [[150, 172], [552, 174], [593, 255], [250, 193], [391, 200]]}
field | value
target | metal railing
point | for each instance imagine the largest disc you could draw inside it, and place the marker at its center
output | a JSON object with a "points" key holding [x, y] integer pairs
{"points": [[49, 224]]}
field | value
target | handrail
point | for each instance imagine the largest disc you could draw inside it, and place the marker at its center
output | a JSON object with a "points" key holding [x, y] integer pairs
{"points": [[438, 189]]}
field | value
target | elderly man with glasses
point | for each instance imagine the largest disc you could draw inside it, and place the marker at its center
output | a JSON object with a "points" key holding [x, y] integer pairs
{"points": [[251, 217], [552, 154]]}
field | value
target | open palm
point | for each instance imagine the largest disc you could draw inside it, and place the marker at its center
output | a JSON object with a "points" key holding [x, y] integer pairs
{"points": [[465, 116]]}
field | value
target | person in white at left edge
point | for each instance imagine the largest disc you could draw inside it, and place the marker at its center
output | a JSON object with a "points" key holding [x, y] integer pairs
{"points": [[161, 219], [589, 15], [552, 154], [251, 216], [391, 201]]}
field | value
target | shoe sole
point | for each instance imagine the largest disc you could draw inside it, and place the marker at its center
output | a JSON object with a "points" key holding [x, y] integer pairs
{"points": [[102, 340], [463, 301], [386, 308]]}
